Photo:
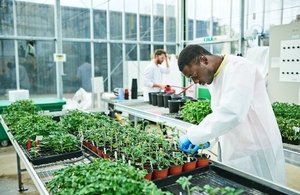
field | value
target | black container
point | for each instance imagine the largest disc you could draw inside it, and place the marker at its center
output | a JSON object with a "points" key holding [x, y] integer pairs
{"points": [[160, 99], [174, 106], [176, 97], [150, 97], [134, 89], [217, 175], [51, 156], [167, 97], [154, 98]]}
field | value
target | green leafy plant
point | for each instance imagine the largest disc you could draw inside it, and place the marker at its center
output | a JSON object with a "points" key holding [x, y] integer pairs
{"points": [[186, 185], [195, 111], [102, 176], [288, 119]]}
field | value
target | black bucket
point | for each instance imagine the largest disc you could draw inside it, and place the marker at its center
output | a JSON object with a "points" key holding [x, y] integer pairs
{"points": [[167, 97], [160, 99], [174, 106]]}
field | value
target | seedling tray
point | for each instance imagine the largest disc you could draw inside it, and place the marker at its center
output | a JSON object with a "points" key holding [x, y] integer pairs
{"points": [[218, 176], [50, 157]]}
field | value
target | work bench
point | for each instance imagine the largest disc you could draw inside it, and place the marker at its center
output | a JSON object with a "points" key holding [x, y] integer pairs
{"points": [[138, 109]]}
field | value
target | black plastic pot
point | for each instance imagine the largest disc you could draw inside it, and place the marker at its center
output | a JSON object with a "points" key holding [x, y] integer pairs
{"points": [[176, 97], [154, 98], [160, 99], [174, 106], [150, 97], [167, 97]]}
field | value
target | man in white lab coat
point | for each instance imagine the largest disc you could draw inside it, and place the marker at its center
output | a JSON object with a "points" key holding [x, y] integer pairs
{"points": [[153, 73], [242, 117]]}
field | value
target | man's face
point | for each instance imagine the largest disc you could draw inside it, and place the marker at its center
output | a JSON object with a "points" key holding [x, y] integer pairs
{"points": [[160, 58], [199, 73]]}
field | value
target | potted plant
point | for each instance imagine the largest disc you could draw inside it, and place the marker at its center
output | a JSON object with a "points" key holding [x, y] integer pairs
{"points": [[190, 161], [202, 158], [176, 163]]}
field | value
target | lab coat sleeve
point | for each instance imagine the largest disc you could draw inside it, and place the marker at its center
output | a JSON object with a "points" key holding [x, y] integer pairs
{"points": [[234, 103], [148, 77], [165, 70]]}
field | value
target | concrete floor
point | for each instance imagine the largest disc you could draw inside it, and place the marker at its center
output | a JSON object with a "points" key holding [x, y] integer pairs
{"points": [[9, 178]]}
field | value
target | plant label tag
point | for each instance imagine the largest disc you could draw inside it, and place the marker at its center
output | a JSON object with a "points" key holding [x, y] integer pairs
{"points": [[39, 138], [296, 129]]}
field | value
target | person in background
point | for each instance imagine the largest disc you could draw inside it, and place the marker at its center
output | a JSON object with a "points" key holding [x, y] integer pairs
{"points": [[84, 74], [153, 73], [23, 76], [242, 117]]}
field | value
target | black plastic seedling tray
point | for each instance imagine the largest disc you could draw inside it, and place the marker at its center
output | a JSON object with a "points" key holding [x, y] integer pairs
{"points": [[220, 176], [50, 157]]}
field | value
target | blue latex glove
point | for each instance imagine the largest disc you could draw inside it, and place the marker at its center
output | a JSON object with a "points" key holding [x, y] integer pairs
{"points": [[186, 145]]}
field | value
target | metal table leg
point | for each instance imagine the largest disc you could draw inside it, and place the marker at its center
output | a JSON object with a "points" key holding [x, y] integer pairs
{"points": [[21, 186]]}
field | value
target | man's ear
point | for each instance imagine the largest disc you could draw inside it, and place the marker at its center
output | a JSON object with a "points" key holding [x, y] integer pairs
{"points": [[204, 60]]}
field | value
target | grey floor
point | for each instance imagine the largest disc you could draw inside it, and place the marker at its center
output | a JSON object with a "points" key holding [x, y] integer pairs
{"points": [[9, 179]]}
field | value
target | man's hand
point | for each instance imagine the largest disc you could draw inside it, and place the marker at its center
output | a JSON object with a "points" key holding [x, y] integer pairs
{"points": [[186, 145]]}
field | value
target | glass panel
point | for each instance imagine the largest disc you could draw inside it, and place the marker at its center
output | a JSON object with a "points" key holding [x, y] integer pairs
{"points": [[255, 15], [116, 65], [115, 25], [76, 53], [235, 19], [158, 20], [101, 62], [158, 28], [131, 9], [75, 22], [131, 22], [272, 13], [171, 20], [221, 17], [43, 75], [155, 47], [171, 49], [190, 22], [203, 18], [290, 11], [145, 53], [190, 31], [7, 54], [145, 28], [234, 47], [34, 19], [131, 52], [100, 27], [6, 18]]}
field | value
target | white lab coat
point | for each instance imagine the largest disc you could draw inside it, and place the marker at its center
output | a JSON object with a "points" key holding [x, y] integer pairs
{"points": [[153, 74], [244, 122]]}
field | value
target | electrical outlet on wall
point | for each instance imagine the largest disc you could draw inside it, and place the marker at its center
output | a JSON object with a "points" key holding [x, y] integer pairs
{"points": [[290, 61]]}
